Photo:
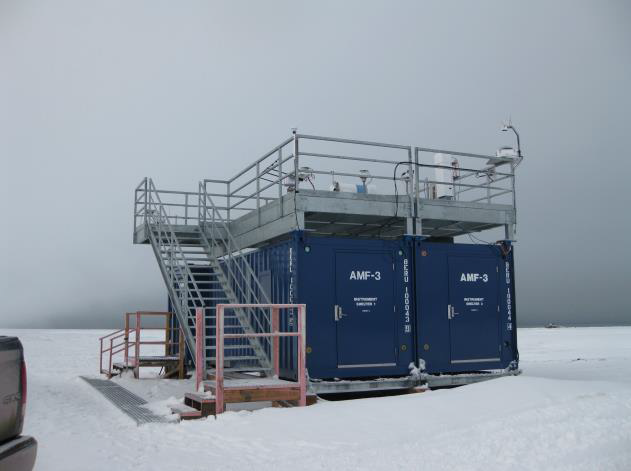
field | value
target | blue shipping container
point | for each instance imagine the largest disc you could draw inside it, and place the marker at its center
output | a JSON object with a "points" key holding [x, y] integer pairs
{"points": [[376, 306], [359, 297], [465, 307]]}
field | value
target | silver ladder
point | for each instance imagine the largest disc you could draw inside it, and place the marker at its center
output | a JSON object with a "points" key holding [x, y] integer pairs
{"points": [[196, 277]]}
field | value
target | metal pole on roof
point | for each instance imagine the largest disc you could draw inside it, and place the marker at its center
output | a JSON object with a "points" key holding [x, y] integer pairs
{"points": [[296, 163], [280, 180], [510, 126], [511, 230], [299, 226]]}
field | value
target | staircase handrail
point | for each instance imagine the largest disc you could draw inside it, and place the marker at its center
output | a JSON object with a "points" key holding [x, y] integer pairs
{"points": [[189, 279], [231, 249], [231, 239]]}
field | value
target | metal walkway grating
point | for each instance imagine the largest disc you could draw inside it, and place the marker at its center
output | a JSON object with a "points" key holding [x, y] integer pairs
{"points": [[125, 400]]}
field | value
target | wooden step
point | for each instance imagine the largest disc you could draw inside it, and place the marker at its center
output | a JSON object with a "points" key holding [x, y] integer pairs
{"points": [[154, 361], [186, 412], [256, 390], [203, 403]]}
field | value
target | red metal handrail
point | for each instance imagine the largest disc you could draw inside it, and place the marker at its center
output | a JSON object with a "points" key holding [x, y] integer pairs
{"points": [[134, 342], [103, 351], [113, 349], [275, 334]]}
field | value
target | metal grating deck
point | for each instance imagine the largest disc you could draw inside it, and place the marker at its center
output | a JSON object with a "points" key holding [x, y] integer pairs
{"points": [[131, 404]]}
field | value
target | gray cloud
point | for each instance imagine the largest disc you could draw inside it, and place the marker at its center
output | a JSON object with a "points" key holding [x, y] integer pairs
{"points": [[96, 95]]}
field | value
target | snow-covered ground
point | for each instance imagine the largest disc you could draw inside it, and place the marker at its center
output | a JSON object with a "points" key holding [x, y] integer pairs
{"points": [[571, 409]]}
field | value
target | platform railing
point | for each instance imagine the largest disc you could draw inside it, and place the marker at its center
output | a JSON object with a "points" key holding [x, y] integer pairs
{"points": [[274, 333], [126, 343], [182, 207], [405, 172], [286, 168], [109, 345], [310, 162], [471, 181], [133, 324]]}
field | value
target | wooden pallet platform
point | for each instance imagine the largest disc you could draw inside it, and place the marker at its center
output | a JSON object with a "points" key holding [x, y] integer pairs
{"points": [[154, 360], [171, 364], [122, 349], [256, 389], [240, 388]]}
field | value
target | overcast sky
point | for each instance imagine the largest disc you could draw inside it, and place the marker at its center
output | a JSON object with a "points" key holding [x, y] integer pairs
{"points": [[96, 95]]}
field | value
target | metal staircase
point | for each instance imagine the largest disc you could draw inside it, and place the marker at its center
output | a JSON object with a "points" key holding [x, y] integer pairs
{"points": [[201, 271]]}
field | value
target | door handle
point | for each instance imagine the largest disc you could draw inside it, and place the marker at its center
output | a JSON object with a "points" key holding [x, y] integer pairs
{"points": [[451, 312], [337, 312]]}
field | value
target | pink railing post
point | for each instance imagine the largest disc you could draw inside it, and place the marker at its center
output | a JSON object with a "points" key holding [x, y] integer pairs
{"points": [[181, 353], [126, 339], [109, 371], [200, 364], [302, 375], [219, 359], [275, 333], [137, 349], [275, 341]]}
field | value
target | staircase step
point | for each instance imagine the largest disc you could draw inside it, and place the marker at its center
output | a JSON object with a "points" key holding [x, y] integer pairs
{"points": [[191, 230], [241, 358], [226, 347], [188, 238], [178, 249], [199, 282], [209, 298], [240, 370], [195, 278], [201, 250], [204, 290], [203, 403], [210, 323], [186, 412], [187, 259]]}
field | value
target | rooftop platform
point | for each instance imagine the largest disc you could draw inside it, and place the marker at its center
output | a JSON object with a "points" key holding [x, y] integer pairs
{"points": [[341, 187]]}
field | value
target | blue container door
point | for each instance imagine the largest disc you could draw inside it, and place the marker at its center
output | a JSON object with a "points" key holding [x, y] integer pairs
{"points": [[364, 309], [473, 309]]}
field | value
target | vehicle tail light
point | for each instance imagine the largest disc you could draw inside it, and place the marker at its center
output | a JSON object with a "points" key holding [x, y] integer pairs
{"points": [[23, 381]]}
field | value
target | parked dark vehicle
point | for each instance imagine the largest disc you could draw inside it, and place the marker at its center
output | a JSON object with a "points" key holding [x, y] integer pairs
{"points": [[17, 451]]}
